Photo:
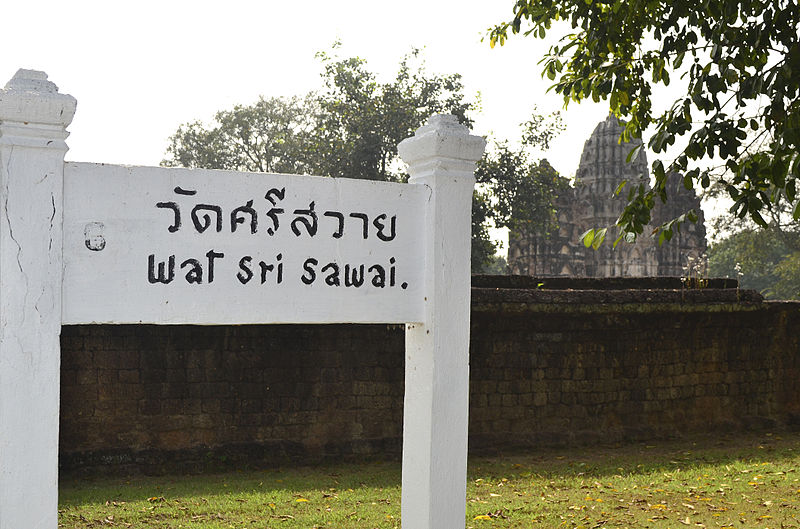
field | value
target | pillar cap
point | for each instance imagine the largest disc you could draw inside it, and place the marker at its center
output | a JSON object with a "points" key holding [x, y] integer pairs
{"points": [[30, 98], [442, 137]]}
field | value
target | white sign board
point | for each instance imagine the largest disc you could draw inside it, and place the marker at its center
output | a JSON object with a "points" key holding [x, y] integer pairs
{"points": [[168, 245]]}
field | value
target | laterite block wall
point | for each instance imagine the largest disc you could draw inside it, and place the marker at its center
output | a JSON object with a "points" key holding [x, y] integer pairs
{"points": [[547, 367]]}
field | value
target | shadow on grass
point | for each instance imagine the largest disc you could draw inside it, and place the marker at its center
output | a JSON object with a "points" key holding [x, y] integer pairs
{"points": [[296, 479], [562, 463], [640, 458]]}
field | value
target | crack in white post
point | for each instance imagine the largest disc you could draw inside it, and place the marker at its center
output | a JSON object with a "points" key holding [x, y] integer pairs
{"points": [[33, 120]]}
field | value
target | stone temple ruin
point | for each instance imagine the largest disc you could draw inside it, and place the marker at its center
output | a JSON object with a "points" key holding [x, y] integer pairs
{"points": [[591, 204]]}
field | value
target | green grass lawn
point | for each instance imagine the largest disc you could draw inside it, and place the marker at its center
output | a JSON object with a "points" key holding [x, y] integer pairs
{"points": [[725, 481]]}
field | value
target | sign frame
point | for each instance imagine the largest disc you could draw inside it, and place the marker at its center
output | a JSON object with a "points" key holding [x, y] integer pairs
{"points": [[34, 118]]}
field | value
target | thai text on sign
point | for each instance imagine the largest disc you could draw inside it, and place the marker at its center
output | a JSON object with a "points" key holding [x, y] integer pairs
{"points": [[148, 243]]}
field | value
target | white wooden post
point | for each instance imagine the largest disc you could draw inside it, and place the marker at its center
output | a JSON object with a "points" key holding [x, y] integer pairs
{"points": [[33, 120], [441, 155]]}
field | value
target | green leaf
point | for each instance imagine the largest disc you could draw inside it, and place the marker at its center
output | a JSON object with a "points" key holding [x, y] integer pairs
{"points": [[658, 169], [551, 71], [599, 236], [633, 152], [620, 187], [758, 219], [587, 237]]}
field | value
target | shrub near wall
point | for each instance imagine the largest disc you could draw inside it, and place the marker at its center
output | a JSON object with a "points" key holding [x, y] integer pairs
{"points": [[547, 367]]}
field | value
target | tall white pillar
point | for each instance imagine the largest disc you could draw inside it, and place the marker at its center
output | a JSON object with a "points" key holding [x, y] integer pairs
{"points": [[33, 121], [441, 155]]}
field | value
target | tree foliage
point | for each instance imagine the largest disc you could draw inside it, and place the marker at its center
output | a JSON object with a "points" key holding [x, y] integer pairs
{"points": [[740, 112], [483, 247], [274, 135], [768, 258], [521, 189], [362, 121], [760, 261], [350, 128]]}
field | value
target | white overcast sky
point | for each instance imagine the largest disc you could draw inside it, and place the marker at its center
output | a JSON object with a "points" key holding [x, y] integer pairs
{"points": [[140, 69]]}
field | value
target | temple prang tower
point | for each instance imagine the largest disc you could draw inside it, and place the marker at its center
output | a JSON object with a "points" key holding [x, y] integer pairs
{"points": [[591, 203]]}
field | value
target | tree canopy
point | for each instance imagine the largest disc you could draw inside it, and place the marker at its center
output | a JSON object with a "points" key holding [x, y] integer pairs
{"points": [[522, 189], [351, 128], [767, 258], [740, 113], [272, 135], [361, 121], [760, 260]]}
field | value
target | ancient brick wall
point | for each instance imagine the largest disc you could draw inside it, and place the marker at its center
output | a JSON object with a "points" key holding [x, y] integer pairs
{"points": [[560, 374], [547, 367], [152, 395]]}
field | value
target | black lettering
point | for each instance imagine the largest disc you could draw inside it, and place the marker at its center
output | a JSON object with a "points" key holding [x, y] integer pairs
{"points": [[353, 277], [274, 195], [391, 272], [310, 275], [308, 218], [203, 222], [246, 273], [211, 254], [166, 273], [195, 275], [379, 279], [365, 220], [176, 224], [264, 269], [189, 192], [378, 222], [333, 277], [340, 228], [280, 268], [237, 217], [273, 216]]}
